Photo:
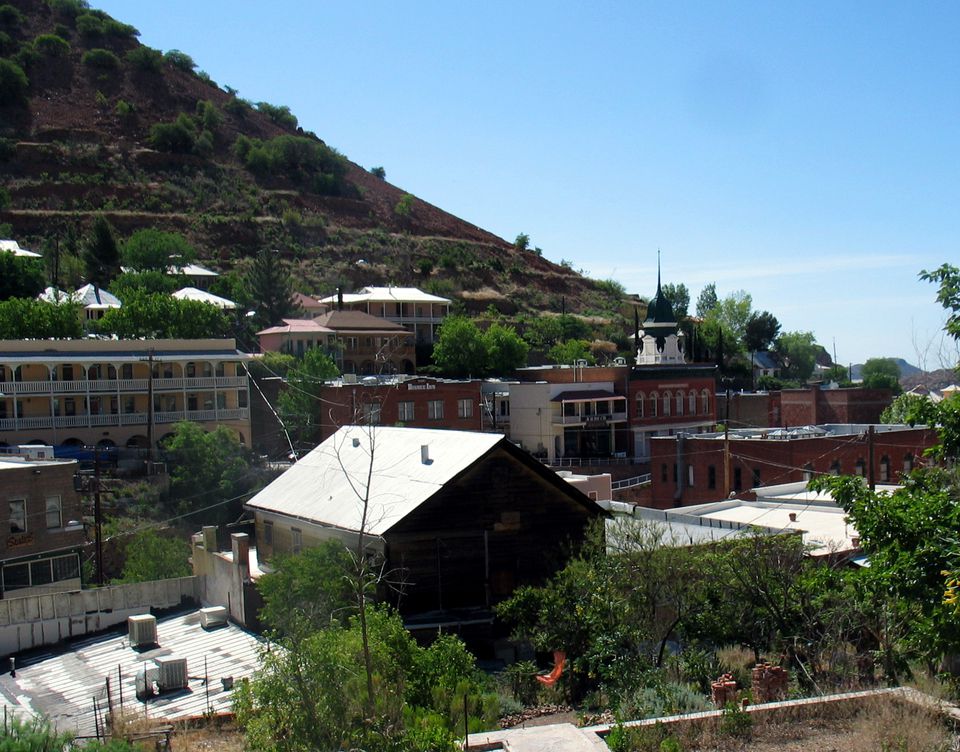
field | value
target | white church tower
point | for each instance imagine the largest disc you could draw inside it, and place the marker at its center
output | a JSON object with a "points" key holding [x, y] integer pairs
{"points": [[659, 340]]}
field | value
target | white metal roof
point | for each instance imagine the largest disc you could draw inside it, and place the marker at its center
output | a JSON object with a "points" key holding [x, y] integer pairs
{"points": [[192, 270], [327, 485], [89, 296], [12, 246], [192, 293], [388, 295]]}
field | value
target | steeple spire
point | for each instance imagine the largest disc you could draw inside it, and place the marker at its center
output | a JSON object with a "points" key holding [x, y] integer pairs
{"points": [[658, 270]]}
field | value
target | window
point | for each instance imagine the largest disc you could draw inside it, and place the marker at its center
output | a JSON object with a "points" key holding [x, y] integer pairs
{"points": [[666, 404], [296, 540], [126, 371], [54, 512], [242, 398], [690, 475], [405, 411], [464, 408], [191, 370], [640, 398], [351, 343], [711, 477], [654, 404], [808, 472], [737, 479], [679, 403], [835, 468], [267, 533], [66, 567], [704, 402], [756, 477], [40, 573], [435, 410], [885, 469], [505, 408], [16, 576], [692, 403], [371, 413], [18, 516], [908, 464], [129, 405], [860, 467]]}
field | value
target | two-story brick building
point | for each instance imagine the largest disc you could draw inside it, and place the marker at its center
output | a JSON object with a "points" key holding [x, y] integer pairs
{"points": [[89, 392], [41, 544]]}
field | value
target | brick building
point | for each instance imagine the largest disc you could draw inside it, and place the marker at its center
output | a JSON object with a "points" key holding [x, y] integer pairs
{"points": [[41, 545], [695, 469], [803, 407]]}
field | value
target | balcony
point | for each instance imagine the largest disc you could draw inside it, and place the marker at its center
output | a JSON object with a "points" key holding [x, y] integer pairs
{"points": [[581, 420], [114, 386], [127, 419]]}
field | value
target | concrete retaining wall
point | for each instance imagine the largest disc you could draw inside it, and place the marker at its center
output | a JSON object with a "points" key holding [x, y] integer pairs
{"points": [[35, 620]]}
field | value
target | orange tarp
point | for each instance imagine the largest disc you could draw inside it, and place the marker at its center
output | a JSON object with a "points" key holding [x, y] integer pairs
{"points": [[559, 658]]}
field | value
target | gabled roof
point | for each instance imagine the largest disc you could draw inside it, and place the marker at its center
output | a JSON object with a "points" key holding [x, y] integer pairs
{"points": [[192, 270], [322, 486], [307, 302], [192, 293], [347, 321], [764, 359], [291, 326], [12, 246], [388, 295], [89, 296]]}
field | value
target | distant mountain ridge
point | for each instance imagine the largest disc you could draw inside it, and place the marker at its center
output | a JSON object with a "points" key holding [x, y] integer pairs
{"points": [[906, 369], [83, 139]]}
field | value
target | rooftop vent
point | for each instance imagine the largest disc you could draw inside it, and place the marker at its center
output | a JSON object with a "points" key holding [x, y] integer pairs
{"points": [[142, 629], [425, 454], [213, 616], [356, 443], [793, 516]]}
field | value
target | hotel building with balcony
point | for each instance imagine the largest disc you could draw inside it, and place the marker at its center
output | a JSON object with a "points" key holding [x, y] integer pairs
{"points": [[419, 312], [97, 392]]}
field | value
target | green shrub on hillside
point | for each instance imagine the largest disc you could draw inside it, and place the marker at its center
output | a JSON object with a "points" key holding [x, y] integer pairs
{"points": [[100, 59], [95, 24], [68, 8], [145, 58], [305, 161], [180, 60], [7, 45], [10, 17], [124, 110], [237, 106], [13, 82], [178, 137], [26, 56], [51, 45], [208, 115], [279, 114]]}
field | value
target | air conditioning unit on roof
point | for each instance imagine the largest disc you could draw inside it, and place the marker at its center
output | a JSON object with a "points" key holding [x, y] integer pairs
{"points": [[173, 672], [142, 630], [213, 616]]}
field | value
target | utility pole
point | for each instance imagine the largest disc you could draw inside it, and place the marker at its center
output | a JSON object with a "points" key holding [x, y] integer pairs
{"points": [[870, 472], [97, 516]]}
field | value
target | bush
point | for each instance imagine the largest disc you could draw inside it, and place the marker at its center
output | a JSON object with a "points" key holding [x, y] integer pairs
{"points": [[100, 59], [238, 107], [68, 8], [208, 115], [379, 172], [10, 17], [124, 110], [13, 82], [404, 206], [145, 59], [51, 45], [90, 25], [180, 60], [177, 137], [7, 45], [8, 148], [203, 146], [279, 114]]}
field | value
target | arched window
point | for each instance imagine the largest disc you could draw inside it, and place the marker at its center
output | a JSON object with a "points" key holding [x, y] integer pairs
{"points": [[654, 400], [835, 468], [885, 469], [808, 472], [640, 399], [907, 464], [711, 476], [692, 403], [860, 467], [704, 402], [679, 403], [666, 403]]}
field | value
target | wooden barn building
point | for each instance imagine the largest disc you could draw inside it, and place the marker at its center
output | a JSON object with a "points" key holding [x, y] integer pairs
{"points": [[461, 519]]}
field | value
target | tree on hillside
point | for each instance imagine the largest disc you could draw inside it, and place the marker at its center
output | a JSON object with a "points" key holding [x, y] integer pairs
{"points": [[679, 297], [881, 373], [153, 250], [570, 351], [299, 405], [20, 277], [522, 242], [101, 256], [797, 352], [707, 300], [271, 288], [761, 331]]}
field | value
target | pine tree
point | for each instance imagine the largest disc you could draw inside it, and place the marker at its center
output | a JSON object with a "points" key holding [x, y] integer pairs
{"points": [[271, 288], [101, 256]]}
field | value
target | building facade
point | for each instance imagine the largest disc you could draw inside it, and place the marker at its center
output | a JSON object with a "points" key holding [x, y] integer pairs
{"points": [[98, 392], [419, 312], [40, 548]]}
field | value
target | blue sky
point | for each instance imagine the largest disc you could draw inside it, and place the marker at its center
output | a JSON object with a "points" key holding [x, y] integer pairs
{"points": [[808, 153]]}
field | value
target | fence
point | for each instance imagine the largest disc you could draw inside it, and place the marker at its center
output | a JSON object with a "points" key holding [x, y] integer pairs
{"points": [[636, 480]]}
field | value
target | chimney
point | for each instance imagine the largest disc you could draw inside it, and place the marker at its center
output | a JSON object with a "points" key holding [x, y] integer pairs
{"points": [[240, 544], [425, 454], [209, 533], [339, 298], [793, 516]]}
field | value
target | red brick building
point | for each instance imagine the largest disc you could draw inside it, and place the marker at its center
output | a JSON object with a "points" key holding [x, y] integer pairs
{"points": [[804, 407], [694, 469], [41, 543]]}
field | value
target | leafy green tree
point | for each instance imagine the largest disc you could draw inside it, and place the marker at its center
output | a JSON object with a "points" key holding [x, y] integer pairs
{"points": [[947, 277], [543, 331], [150, 249], [100, 59], [838, 373], [904, 408], [506, 350], [679, 297], [14, 83], [157, 315], [761, 330], [131, 284], [707, 300], [309, 591], [881, 373], [522, 242], [26, 318], [178, 137], [378, 172], [145, 59], [20, 277], [570, 351], [299, 405], [945, 415], [51, 45], [271, 288], [101, 256], [151, 556], [460, 349], [279, 114], [210, 473], [797, 352], [180, 60], [404, 206]]}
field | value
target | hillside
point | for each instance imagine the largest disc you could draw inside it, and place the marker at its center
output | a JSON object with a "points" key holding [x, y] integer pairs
{"points": [[81, 138]]}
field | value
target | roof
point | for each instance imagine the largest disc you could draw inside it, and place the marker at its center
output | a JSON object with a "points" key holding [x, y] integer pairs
{"points": [[347, 321], [306, 301], [372, 294], [584, 395], [89, 296], [192, 293], [764, 359], [192, 270], [60, 685], [322, 487], [12, 246], [289, 326]]}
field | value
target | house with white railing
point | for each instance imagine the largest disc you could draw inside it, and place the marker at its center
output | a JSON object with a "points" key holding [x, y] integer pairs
{"points": [[119, 393], [420, 312]]}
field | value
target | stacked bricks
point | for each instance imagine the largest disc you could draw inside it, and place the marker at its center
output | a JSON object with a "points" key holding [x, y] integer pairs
{"points": [[723, 691], [769, 682]]}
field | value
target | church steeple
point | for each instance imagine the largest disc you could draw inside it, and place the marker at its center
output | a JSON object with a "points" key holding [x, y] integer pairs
{"points": [[660, 341]]}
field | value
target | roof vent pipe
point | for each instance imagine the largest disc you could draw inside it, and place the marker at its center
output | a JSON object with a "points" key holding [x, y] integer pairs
{"points": [[356, 442], [425, 454], [339, 298], [793, 516]]}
